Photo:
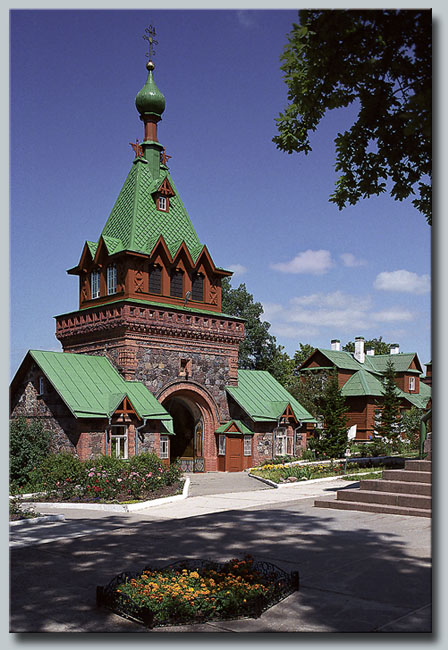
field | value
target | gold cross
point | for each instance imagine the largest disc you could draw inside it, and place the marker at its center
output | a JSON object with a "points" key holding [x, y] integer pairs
{"points": [[151, 32]]}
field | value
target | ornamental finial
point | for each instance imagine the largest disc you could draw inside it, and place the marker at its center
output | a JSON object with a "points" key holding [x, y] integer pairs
{"points": [[150, 37]]}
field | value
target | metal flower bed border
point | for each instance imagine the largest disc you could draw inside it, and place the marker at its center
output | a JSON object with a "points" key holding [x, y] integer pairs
{"points": [[122, 604]]}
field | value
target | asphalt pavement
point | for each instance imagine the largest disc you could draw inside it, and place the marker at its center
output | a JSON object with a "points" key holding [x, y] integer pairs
{"points": [[359, 572]]}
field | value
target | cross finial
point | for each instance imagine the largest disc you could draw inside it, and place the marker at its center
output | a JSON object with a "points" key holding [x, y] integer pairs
{"points": [[150, 37]]}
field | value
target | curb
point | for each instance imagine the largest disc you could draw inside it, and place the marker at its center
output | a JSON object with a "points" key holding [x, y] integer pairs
{"points": [[343, 477], [115, 507], [24, 523]]}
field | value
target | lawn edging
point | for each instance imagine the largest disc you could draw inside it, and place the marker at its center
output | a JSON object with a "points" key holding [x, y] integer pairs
{"points": [[42, 519], [114, 507], [347, 477]]}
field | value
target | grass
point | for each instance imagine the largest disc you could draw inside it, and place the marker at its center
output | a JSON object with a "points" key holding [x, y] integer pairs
{"points": [[281, 474]]}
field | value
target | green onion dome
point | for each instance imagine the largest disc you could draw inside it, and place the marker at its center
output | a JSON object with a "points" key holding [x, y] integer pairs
{"points": [[150, 99]]}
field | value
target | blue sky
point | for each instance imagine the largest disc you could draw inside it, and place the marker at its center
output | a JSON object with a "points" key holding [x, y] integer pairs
{"points": [[320, 273]]}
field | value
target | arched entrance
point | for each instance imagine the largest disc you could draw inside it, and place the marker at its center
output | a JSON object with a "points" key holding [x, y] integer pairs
{"points": [[195, 420]]}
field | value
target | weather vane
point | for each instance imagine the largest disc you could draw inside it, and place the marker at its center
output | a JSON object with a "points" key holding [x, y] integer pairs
{"points": [[150, 37]]}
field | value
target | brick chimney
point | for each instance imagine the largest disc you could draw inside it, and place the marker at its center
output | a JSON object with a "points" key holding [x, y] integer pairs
{"points": [[359, 349], [336, 345]]}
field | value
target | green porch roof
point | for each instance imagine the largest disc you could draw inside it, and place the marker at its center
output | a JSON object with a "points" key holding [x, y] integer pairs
{"points": [[239, 425], [263, 398], [364, 383], [135, 224], [92, 388]]}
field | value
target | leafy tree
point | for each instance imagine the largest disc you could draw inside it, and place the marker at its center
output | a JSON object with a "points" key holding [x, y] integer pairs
{"points": [[308, 389], [389, 424], [332, 440], [380, 346], [29, 445], [410, 425], [380, 61], [259, 348], [304, 351]]}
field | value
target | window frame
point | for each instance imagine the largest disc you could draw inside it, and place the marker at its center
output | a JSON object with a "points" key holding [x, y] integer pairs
{"points": [[155, 269], [281, 438], [41, 385], [164, 447], [175, 273], [195, 278], [95, 284], [163, 203], [221, 444], [120, 437], [411, 383], [111, 279], [247, 446]]}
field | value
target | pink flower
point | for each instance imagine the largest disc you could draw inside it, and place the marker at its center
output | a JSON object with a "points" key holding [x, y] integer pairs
{"points": [[149, 474]]}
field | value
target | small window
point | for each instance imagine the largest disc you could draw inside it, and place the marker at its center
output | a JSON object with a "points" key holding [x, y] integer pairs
{"points": [[247, 445], [95, 284], [222, 445], [41, 385], [111, 279], [411, 383], [164, 447], [197, 287], [119, 442], [155, 280], [176, 285], [280, 442], [162, 204]]}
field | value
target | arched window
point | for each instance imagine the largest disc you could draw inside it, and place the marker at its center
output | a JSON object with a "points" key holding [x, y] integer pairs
{"points": [[197, 288], [111, 279], [95, 284], [176, 284], [155, 279]]}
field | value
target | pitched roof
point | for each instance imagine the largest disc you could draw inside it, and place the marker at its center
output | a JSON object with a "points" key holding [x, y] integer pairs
{"points": [[400, 361], [263, 398], [92, 388], [239, 424], [341, 359], [362, 382], [135, 224]]}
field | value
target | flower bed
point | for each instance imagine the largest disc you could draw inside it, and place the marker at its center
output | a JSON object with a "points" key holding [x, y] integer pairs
{"points": [[281, 473], [64, 478], [194, 592]]}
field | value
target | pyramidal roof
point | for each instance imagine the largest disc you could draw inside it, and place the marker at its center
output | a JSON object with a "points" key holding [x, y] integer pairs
{"points": [[135, 224]]}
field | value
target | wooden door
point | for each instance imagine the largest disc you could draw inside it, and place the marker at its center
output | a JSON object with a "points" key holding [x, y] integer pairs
{"points": [[234, 453]]}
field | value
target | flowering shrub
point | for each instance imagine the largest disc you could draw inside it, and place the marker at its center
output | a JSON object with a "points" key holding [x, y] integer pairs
{"points": [[175, 595], [66, 478]]}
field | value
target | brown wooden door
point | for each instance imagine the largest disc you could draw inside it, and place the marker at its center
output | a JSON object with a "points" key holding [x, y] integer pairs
{"points": [[234, 453]]}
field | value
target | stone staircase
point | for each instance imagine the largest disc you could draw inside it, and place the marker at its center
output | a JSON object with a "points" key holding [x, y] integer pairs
{"points": [[400, 492]]}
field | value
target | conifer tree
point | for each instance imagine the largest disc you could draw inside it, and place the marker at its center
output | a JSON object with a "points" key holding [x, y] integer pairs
{"points": [[332, 441], [389, 425]]}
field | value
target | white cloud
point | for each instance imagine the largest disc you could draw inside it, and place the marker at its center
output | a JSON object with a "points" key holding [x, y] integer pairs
{"points": [[402, 281], [337, 312], [350, 260], [238, 269], [245, 18], [313, 262]]}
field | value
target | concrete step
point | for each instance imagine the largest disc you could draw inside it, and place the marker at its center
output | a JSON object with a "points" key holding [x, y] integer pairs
{"points": [[403, 487], [418, 465], [372, 507], [407, 475], [385, 498]]}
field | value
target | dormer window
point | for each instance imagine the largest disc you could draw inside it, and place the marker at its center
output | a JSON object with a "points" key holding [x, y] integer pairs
{"points": [[176, 284], [163, 203], [411, 384], [95, 284], [197, 287], [111, 279], [155, 279]]}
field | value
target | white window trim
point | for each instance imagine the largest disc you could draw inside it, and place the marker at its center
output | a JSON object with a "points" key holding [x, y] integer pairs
{"points": [[411, 383], [111, 279], [121, 437], [164, 447], [247, 445], [222, 444], [41, 385], [162, 203], [280, 442], [95, 284]]}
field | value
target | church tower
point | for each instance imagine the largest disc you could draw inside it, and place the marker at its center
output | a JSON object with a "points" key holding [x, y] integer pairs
{"points": [[150, 299]]}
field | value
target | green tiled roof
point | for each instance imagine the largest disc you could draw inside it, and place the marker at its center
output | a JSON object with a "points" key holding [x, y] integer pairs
{"points": [[263, 398], [401, 362], [135, 224], [92, 388], [238, 423], [362, 383], [341, 359]]}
